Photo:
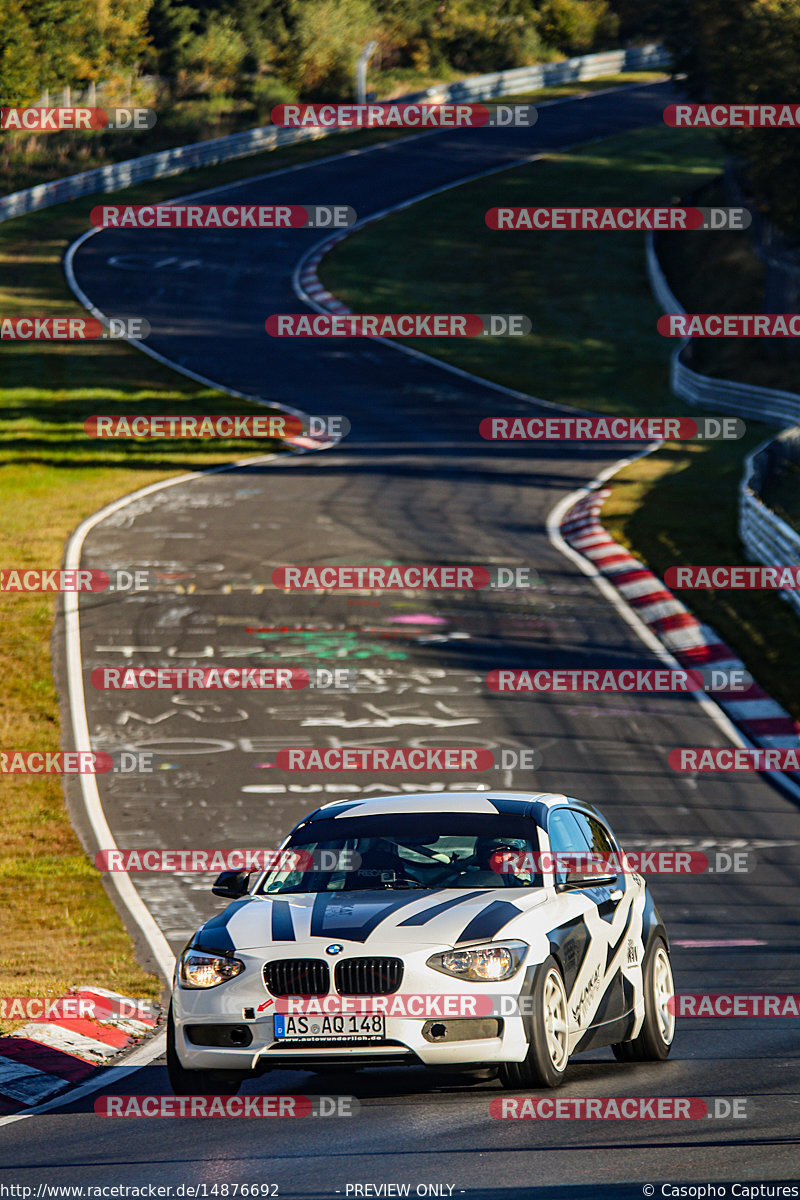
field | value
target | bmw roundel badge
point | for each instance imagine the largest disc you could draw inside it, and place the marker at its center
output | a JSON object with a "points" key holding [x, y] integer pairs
{"points": [[334, 948]]}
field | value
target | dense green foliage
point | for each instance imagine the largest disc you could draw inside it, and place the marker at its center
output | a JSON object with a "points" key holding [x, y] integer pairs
{"points": [[306, 48], [743, 52]]}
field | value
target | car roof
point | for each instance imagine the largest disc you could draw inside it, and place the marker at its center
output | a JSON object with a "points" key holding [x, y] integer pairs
{"points": [[533, 804]]}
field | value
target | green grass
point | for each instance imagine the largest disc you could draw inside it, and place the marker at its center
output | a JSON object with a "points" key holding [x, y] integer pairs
{"points": [[594, 343]]}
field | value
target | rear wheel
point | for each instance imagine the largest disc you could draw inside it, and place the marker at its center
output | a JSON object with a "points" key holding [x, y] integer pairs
{"points": [[548, 1053], [658, 1029], [198, 1083]]}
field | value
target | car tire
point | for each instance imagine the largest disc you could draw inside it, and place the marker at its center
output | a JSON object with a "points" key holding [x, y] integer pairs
{"points": [[198, 1083], [548, 1053], [656, 1036]]}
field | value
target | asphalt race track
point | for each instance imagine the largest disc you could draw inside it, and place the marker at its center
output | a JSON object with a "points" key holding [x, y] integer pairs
{"points": [[413, 483]]}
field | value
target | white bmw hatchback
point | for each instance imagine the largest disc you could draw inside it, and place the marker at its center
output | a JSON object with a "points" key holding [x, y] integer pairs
{"points": [[447, 929]]}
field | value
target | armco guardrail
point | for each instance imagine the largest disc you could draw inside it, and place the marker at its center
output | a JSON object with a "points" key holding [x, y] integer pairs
{"points": [[769, 405], [267, 137], [152, 166], [523, 79], [765, 537]]}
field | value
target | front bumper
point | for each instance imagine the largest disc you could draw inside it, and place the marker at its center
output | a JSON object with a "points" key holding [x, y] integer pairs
{"points": [[219, 1014]]}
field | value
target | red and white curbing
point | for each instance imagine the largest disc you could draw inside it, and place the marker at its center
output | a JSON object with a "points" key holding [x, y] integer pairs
{"points": [[309, 280], [760, 718], [44, 1058]]}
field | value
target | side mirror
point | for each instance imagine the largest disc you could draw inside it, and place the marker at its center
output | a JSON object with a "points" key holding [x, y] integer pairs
{"points": [[231, 885]]}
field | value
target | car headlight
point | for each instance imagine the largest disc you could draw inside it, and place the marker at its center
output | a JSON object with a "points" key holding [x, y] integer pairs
{"points": [[481, 964], [199, 970]]}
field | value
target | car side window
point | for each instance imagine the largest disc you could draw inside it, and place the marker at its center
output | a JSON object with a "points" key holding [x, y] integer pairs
{"points": [[566, 837], [596, 836]]}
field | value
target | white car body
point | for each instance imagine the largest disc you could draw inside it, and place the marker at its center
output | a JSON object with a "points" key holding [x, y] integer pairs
{"points": [[598, 935]]}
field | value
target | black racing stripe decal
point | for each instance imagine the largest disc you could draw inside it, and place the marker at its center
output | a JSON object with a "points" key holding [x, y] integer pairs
{"points": [[337, 915], [489, 921], [569, 943], [611, 1005], [612, 950], [214, 934], [282, 924], [427, 914]]}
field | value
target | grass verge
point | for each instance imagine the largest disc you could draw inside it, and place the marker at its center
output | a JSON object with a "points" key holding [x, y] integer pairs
{"points": [[593, 345]]}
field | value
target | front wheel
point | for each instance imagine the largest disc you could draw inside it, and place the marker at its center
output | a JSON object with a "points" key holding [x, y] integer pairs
{"points": [[658, 1028], [198, 1083], [548, 1052]]}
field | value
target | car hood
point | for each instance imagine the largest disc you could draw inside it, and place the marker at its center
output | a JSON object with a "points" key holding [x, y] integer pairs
{"points": [[448, 917]]}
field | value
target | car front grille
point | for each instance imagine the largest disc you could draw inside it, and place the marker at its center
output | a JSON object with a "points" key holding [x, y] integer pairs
{"points": [[368, 976], [297, 977]]}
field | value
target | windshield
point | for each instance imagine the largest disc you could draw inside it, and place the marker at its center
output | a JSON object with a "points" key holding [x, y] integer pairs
{"points": [[414, 850]]}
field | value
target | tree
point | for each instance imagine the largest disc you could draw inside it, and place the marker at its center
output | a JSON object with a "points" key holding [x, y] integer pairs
{"points": [[19, 72]]}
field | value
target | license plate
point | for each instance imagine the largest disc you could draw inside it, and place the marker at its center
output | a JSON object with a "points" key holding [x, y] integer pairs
{"points": [[330, 1027]]}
